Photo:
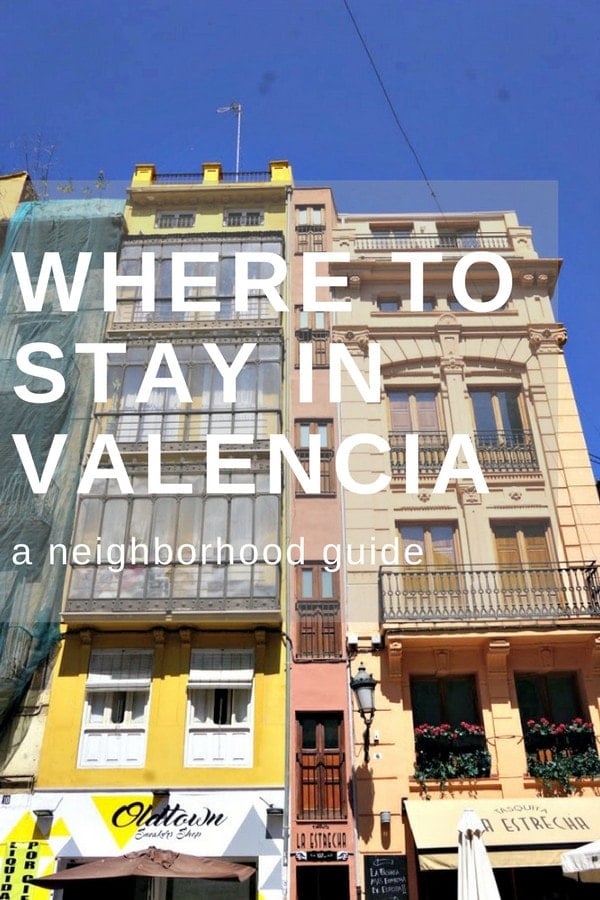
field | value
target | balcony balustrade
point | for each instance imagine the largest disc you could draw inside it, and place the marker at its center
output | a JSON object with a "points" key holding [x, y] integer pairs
{"points": [[432, 595], [187, 426], [259, 309], [452, 242], [497, 451], [197, 177]]}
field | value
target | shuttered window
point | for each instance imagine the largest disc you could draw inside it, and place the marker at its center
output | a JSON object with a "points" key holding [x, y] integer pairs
{"points": [[321, 767], [220, 708], [414, 411], [115, 716]]}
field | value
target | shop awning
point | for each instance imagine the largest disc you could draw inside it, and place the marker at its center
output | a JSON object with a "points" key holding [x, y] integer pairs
{"points": [[519, 832]]}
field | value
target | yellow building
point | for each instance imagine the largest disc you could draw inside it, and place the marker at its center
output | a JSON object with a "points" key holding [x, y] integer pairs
{"points": [[480, 586], [166, 723]]}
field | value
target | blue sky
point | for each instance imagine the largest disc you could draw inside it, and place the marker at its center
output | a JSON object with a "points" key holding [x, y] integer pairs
{"points": [[487, 91]]}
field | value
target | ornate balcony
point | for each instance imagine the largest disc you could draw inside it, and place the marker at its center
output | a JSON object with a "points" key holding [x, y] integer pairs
{"points": [[422, 596], [497, 451], [452, 242]]}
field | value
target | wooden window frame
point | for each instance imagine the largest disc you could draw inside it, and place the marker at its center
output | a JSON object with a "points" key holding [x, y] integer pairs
{"points": [[318, 616], [328, 479], [321, 771]]}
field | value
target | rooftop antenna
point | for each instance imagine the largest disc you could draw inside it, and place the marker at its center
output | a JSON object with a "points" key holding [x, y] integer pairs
{"points": [[235, 107]]}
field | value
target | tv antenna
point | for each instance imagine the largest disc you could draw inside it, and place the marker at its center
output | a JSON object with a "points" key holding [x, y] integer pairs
{"points": [[235, 107]]}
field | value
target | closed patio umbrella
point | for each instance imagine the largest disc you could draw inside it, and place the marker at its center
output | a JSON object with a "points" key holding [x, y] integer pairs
{"points": [[153, 863], [475, 874], [583, 863]]}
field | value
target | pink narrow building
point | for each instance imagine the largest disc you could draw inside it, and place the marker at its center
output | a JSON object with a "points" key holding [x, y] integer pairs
{"points": [[322, 843]]}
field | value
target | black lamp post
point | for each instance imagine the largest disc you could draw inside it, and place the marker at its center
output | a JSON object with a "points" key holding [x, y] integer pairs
{"points": [[363, 686]]}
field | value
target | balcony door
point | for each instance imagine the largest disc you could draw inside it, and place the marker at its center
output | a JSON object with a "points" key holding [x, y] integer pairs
{"points": [[527, 580]]}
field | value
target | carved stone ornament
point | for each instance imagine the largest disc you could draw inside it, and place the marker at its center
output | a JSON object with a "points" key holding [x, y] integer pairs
{"points": [[467, 494], [515, 495], [497, 657], [394, 651], [547, 340]]}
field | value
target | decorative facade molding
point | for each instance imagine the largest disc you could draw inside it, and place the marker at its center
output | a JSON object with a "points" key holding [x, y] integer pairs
{"points": [[497, 654], [547, 340]]}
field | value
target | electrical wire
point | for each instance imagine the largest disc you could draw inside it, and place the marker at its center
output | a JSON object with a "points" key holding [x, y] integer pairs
{"points": [[390, 103]]}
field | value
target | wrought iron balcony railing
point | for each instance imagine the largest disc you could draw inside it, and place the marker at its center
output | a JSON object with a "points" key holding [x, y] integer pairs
{"points": [[492, 594], [433, 242], [197, 177], [497, 451]]}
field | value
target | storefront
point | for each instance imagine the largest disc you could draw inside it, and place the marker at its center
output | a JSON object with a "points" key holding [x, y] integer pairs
{"points": [[322, 854], [44, 832], [524, 838]]}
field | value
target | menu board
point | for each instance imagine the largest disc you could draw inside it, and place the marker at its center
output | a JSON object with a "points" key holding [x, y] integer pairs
{"points": [[385, 876]]}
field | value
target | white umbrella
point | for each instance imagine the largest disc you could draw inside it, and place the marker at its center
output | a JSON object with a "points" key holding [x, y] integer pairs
{"points": [[475, 874], [582, 864]]}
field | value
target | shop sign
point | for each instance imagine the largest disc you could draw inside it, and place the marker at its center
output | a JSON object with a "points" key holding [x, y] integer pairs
{"points": [[321, 838]]}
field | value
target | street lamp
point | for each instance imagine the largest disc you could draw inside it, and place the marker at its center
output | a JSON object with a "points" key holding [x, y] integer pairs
{"points": [[363, 686]]}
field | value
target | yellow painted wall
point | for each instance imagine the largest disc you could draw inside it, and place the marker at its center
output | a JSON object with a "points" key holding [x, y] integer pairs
{"points": [[207, 198], [167, 713]]}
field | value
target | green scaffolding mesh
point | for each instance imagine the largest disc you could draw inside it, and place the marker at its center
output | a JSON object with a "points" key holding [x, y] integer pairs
{"points": [[31, 594]]}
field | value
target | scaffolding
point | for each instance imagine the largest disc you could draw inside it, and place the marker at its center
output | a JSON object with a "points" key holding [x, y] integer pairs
{"points": [[31, 589]]}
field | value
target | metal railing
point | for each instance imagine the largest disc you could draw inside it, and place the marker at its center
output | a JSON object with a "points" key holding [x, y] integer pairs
{"points": [[501, 593], [178, 178], [497, 451], [187, 426], [433, 242], [246, 176], [258, 308], [198, 177]]}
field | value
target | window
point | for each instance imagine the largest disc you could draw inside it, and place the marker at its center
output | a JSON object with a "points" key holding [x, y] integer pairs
{"points": [[220, 713], [413, 411], [437, 700], [388, 304], [438, 542], [498, 413], [249, 217], [321, 767], [501, 439], [554, 696], [194, 519], [318, 611], [129, 307], [560, 743], [255, 411], [310, 216], [434, 586], [325, 431], [115, 715], [175, 220], [314, 327], [449, 738], [522, 544], [310, 229], [523, 553], [459, 238]]}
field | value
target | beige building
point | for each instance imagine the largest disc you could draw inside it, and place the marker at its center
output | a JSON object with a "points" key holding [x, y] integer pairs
{"points": [[480, 584]]}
